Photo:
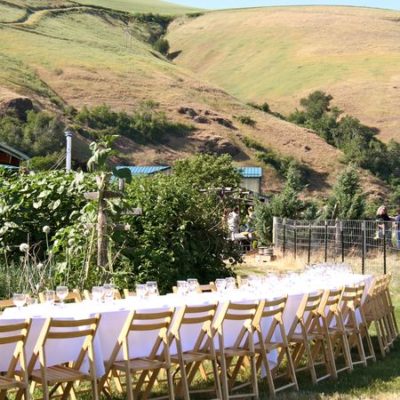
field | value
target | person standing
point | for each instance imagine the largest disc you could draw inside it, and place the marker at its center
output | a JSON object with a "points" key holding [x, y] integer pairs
{"points": [[382, 217], [234, 222], [397, 227]]}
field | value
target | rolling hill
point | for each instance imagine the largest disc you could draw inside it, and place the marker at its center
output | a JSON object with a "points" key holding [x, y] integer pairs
{"points": [[281, 54], [63, 54]]}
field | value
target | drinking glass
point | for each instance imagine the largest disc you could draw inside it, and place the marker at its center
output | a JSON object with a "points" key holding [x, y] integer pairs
{"points": [[19, 300], [183, 288], [141, 290], [50, 297], [108, 292], [152, 288], [97, 293], [193, 285], [244, 283], [230, 283], [62, 293], [220, 284]]}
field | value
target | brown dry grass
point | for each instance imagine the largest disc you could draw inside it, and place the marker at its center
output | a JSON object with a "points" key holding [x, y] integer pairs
{"points": [[280, 54]]}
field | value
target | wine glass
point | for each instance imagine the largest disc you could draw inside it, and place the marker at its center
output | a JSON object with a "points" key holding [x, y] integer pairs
{"points": [[230, 283], [141, 290], [50, 297], [152, 288], [220, 284], [193, 285], [62, 293], [183, 288], [108, 292], [19, 300], [97, 293]]}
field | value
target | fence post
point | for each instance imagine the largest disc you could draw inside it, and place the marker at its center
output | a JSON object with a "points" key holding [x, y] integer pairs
{"points": [[284, 236], [326, 241], [342, 240], [363, 247], [274, 231], [309, 245], [384, 250], [295, 239]]}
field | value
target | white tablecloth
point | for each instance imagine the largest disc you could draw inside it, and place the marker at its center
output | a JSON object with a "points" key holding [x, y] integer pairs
{"points": [[113, 315]]}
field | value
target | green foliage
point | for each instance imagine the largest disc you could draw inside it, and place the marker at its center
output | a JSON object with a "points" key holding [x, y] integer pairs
{"points": [[208, 171], [147, 124], [357, 141], [262, 107], [347, 200], [246, 120], [44, 163], [30, 202], [285, 204], [42, 134], [162, 46], [270, 157]]}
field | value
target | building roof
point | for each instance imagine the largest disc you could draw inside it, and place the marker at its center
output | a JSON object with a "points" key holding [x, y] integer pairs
{"points": [[13, 152], [250, 172], [6, 166], [147, 170]]}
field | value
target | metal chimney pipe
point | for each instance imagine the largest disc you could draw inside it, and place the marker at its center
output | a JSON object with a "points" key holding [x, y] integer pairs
{"points": [[68, 157]]}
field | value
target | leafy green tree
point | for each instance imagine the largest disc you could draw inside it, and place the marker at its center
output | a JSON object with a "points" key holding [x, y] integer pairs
{"points": [[162, 46], [208, 171], [347, 200], [316, 104]]}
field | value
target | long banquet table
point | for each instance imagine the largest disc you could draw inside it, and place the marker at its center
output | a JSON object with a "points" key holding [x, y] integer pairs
{"points": [[113, 315]]}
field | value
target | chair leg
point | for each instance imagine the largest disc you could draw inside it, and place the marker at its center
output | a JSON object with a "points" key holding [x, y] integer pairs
{"points": [[217, 381], [224, 377], [171, 391], [254, 376]]}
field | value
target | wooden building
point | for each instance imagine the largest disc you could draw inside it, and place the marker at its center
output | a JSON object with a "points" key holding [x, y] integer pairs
{"points": [[10, 157]]}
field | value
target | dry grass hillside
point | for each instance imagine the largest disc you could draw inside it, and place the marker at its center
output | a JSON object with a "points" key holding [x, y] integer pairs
{"points": [[281, 54], [73, 55]]}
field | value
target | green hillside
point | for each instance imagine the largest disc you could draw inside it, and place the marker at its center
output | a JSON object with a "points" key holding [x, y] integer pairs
{"points": [[281, 54], [69, 56]]}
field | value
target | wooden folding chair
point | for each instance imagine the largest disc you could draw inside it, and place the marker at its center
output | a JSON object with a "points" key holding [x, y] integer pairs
{"points": [[14, 335], [6, 304], [191, 360], [67, 373], [128, 293], [232, 357], [272, 338], [355, 325], [73, 296], [332, 322], [308, 338], [201, 288], [376, 312], [147, 367], [389, 309]]}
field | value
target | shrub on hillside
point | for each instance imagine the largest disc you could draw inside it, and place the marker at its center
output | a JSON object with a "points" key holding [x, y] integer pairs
{"points": [[162, 46], [146, 124], [40, 135], [246, 120]]}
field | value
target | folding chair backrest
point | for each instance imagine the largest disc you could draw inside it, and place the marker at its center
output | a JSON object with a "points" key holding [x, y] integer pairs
{"points": [[351, 303], [6, 303], [307, 315], [13, 336], [273, 310], [247, 317], [156, 322], [128, 293], [57, 329], [197, 315]]}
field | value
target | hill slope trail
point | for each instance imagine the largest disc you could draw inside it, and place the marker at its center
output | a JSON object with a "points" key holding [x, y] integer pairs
{"points": [[281, 54]]}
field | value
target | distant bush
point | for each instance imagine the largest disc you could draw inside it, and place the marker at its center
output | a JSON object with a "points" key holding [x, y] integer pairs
{"points": [[246, 120], [162, 46], [146, 124], [262, 107], [40, 135], [45, 163]]}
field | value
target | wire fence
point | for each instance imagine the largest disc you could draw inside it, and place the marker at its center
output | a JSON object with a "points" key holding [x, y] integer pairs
{"points": [[369, 246]]}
